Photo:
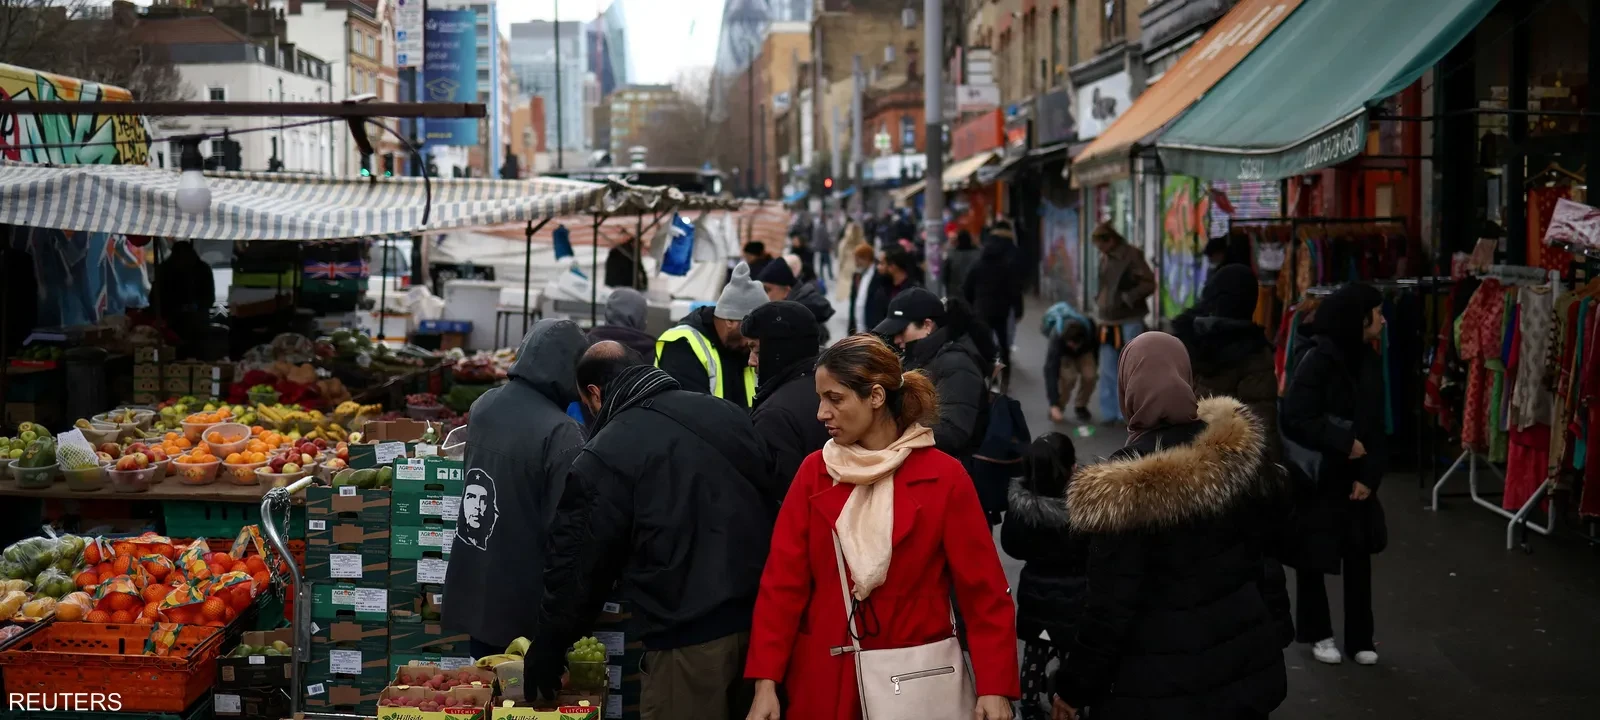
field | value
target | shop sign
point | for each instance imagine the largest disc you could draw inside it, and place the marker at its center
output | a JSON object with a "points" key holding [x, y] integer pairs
{"points": [[1016, 137], [985, 132], [1101, 102], [894, 167], [1336, 144], [977, 98], [1052, 118], [408, 33]]}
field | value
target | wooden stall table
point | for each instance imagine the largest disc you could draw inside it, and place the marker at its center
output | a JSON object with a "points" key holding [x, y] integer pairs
{"points": [[217, 510], [166, 490]]}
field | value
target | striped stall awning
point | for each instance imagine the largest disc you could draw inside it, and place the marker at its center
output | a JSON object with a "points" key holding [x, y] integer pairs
{"points": [[136, 200], [757, 220]]}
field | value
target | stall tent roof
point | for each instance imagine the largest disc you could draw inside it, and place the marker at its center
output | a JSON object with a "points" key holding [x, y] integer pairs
{"points": [[137, 200], [1299, 101]]}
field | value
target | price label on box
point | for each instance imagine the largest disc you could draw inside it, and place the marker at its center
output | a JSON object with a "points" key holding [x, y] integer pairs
{"points": [[432, 570], [613, 642], [444, 508], [344, 566], [315, 689], [410, 469], [258, 659], [317, 524], [344, 662], [388, 452], [227, 704], [372, 599], [437, 538]]}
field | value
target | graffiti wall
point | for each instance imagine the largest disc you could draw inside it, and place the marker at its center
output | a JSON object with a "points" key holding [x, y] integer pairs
{"points": [[1185, 228], [1061, 277], [82, 277]]}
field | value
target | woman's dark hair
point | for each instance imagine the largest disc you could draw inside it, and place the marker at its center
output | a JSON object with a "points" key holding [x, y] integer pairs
{"points": [[861, 361], [1048, 464], [964, 240], [903, 259], [1342, 317]]}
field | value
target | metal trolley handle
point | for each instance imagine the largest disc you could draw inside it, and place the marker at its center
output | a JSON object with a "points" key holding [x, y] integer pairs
{"points": [[275, 507]]}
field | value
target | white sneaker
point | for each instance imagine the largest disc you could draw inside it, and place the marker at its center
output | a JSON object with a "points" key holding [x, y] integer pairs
{"points": [[1327, 652], [1367, 657]]}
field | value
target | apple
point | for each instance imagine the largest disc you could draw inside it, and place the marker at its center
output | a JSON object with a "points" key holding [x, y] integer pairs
{"points": [[291, 467], [335, 464], [156, 454], [127, 464], [320, 443], [28, 436], [111, 449], [277, 464], [137, 447], [142, 460], [104, 458], [307, 459]]}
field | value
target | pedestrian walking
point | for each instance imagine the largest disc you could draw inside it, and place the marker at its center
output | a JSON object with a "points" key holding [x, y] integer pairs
{"points": [[670, 498], [1070, 365], [1330, 411], [1175, 624], [936, 341], [519, 445], [783, 347], [862, 284], [959, 261], [1053, 582], [822, 243], [1126, 283], [877, 531], [626, 309], [704, 352], [853, 239], [897, 272]]}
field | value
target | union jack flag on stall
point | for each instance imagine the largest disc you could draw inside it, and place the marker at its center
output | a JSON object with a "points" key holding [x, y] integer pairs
{"points": [[333, 271]]}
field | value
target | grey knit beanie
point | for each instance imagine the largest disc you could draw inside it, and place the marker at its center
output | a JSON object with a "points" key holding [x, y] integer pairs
{"points": [[740, 296]]}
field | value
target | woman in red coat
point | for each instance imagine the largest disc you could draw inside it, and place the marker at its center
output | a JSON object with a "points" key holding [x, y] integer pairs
{"points": [[911, 530]]}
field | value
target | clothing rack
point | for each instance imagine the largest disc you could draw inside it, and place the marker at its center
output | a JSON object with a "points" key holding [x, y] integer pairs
{"points": [[1511, 275]]}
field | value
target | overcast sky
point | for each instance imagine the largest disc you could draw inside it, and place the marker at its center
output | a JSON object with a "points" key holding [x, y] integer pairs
{"points": [[665, 37]]}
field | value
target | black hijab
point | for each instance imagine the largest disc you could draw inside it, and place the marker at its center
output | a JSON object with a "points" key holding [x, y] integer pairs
{"points": [[1342, 317]]}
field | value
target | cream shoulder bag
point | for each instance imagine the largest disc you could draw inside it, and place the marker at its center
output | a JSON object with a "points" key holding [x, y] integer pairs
{"points": [[925, 682]]}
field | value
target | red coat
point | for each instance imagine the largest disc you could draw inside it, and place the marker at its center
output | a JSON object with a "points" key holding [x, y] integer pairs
{"points": [[941, 540]]}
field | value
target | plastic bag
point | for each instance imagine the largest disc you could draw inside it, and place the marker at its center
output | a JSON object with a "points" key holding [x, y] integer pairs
{"points": [[680, 250], [11, 602]]}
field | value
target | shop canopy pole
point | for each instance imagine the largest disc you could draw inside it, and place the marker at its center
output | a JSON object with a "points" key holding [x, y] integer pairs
{"points": [[594, 275], [527, 270]]}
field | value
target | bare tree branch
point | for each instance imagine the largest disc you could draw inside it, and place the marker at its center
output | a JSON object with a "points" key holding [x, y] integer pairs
{"points": [[77, 39]]}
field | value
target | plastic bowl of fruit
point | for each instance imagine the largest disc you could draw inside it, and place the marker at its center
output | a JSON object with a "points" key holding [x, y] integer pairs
{"points": [[165, 466], [34, 478], [227, 438], [285, 476], [5, 467], [137, 480], [195, 428], [242, 473], [100, 433], [197, 472], [87, 479]]}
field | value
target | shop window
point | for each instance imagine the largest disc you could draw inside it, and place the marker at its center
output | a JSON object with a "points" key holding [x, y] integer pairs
{"points": [[1055, 41], [217, 94], [1113, 22]]}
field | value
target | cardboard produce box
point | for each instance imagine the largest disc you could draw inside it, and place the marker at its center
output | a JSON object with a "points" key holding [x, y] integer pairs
{"points": [[257, 671], [349, 602], [154, 354], [341, 551], [428, 491], [427, 541], [383, 441], [417, 601], [366, 637], [263, 702], [416, 636], [475, 704], [147, 370], [588, 708], [449, 663], [346, 504], [344, 697], [405, 573], [347, 663]]}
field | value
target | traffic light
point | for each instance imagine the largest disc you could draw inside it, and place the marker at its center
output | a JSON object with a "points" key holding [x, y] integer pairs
{"points": [[366, 165], [827, 183], [388, 164], [229, 151]]}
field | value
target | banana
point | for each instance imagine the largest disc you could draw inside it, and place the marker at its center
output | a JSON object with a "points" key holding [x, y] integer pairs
{"points": [[489, 662], [518, 647]]}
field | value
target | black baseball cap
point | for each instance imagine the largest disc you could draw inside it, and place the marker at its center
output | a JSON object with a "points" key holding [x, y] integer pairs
{"points": [[911, 306]]}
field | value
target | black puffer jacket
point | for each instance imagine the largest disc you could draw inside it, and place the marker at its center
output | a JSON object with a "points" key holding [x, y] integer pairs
{"points": [[1175, 624], [1055, 578], [786, 420], [954, 365], [672, 498], [994, 286], [821, 308], [520, 444]]}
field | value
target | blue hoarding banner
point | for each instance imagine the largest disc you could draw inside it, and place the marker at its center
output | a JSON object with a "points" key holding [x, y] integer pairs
{"points": [[450, 72]]}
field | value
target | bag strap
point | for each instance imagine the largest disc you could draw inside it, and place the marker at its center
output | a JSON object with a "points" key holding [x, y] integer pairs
{"points": [[849, 607]]}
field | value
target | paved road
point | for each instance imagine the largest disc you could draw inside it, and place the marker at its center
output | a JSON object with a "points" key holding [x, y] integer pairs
{"points": [[1465, 628]]}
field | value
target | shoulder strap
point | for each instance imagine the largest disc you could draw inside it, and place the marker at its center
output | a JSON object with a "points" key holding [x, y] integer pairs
{"points": [[849, 606]]}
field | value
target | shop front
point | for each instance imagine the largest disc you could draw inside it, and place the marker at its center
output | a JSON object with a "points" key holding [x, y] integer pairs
{"points": [[1059, 244], [974, 145]]}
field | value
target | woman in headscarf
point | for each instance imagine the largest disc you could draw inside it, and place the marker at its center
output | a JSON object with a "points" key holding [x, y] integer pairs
{"points": [[908, 527], [1333, 407], [1174, 624]]}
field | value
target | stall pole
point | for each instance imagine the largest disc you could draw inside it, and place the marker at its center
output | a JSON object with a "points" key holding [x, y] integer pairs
{"points": [[383, 289], [527, 271], [594, 275], [427, 211], [638, 247]]}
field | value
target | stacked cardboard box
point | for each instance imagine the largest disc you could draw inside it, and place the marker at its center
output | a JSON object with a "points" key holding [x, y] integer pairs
{"points": [[256, 686], [347, 563], [427, 504], [624, 657]]}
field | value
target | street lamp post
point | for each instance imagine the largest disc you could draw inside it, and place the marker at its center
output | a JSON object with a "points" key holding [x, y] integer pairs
{"points": [[933, 120]]}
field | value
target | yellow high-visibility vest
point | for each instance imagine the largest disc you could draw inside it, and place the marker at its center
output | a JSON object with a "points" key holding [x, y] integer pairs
{"points": [[709, 358]]}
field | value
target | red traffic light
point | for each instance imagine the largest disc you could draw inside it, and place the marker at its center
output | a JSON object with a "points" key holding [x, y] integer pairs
{"points": [[827, 183]]}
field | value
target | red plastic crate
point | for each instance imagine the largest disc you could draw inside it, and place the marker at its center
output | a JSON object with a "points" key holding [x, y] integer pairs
{"points": [[91, 657]]}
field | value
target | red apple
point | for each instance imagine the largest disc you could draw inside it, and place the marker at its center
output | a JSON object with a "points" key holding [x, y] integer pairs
{"points": [[136, 447], [127, 463], [307, 458], [320, 443], [277, 464], [156, 454], [142, 460], [111, 449]]}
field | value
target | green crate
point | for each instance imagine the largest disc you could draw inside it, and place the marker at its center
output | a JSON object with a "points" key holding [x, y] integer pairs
{"points": [[369, 637], [363, 563], [415, 543], [404, 573], [344, 697], [338, 601], [413, 636], [373, 664], [347, 504], [409, 602], [221, 520]]}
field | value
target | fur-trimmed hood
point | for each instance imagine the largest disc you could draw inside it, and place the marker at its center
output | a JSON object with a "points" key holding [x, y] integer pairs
{"points": [[1174, 485], [1031, 507]]}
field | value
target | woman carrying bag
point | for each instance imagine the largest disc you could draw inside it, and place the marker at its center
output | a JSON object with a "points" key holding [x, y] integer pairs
{"points": [[855, 617], [1336, 439]]}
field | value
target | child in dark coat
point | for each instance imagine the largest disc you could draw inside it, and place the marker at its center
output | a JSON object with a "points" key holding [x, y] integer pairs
{"points": [[1051, 589]]}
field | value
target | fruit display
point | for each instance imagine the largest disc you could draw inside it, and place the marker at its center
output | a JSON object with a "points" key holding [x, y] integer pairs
{"points": [[12, 448], [171, 415], [345, 345], [368, 479], [27, 558], [480, 369], [422, 400], [72, 456], [586, 665], [39, 353], [40, 452], [278, 648], [351, 408]]}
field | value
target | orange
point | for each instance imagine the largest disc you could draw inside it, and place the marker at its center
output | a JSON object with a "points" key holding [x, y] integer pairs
{"points": [[122, 564], [214, 608], [142, 620], [239, 598], [215, 437], [258, 457], [122, 617], [103, 576], [103, 567], [124, 548], [69, 612], [257, 429], [166, 550], [122, 601], [86, 578], [157, 571], [239, 566], [230, 615], [224, 413], [203, 447], [235, 459], [262, 580], [155, 593], [255, 564], [97, 616], [170, 436], [183, 442], [91, 554], [152, 610], [217, 569]]}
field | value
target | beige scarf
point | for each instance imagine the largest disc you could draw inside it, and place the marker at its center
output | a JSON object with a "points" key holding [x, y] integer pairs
{"points": [[866, 524]]}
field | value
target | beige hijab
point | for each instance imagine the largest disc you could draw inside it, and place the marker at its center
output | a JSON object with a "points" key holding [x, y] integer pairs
{"points": [[866, 524]]}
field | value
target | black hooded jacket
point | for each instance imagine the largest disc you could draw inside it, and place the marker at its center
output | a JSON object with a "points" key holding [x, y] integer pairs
{"points": [[955, 366], [808, 295], [1054, 578], [671, 498], [1177, 623], [994, 287], [520, 444], [785, 416]]}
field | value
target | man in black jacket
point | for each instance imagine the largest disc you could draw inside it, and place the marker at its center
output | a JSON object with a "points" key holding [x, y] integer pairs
{"points": [[783, 347], [918, 322], [519, 445], [671, 497], [780, 284], [994, 289], [705, 352]]}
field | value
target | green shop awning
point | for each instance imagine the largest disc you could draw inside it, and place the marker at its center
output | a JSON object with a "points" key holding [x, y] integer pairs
{"points": [[1299, 102]]}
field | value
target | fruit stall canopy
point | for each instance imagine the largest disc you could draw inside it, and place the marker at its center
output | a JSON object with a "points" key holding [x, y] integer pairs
{"points": [[137, 200], [1299, 101]]}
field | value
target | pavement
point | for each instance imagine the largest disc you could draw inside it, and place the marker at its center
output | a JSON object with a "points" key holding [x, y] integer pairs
{"points": [[1465, 628]]}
